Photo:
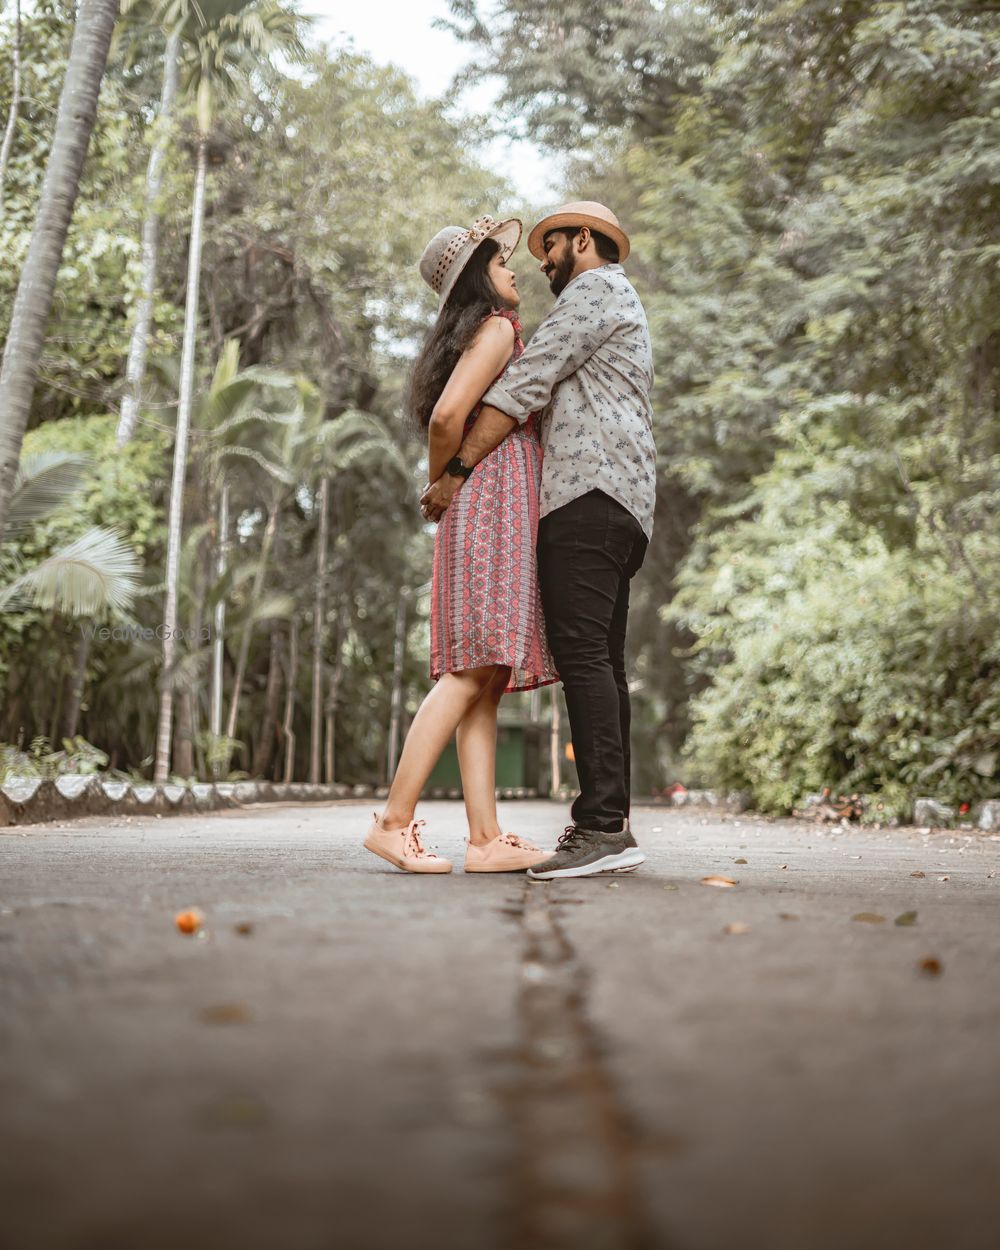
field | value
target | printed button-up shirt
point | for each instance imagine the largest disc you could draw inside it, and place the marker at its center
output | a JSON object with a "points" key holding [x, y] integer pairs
{"points": [[588, 369]]}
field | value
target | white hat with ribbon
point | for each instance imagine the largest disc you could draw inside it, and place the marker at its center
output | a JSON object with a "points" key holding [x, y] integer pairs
{"points": [[451, 249]]}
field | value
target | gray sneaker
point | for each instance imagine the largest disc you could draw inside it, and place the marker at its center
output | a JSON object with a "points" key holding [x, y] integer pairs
{"points": [[587, 852]]}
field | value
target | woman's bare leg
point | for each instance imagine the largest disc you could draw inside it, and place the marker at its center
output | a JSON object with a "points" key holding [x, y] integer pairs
{"points": [[477, 757], [435, 722]]}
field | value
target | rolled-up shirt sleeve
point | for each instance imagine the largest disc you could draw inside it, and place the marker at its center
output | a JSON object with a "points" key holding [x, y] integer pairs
{"points": [[571, 333]]}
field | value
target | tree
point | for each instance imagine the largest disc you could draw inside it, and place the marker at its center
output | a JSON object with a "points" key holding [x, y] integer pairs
{"points": [[231, 32], [74, 123]]}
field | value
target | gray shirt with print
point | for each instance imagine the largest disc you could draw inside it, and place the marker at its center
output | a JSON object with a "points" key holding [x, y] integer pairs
{"points": [[588, 369]]}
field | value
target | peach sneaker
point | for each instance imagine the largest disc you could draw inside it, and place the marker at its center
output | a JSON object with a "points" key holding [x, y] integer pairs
{"points": [[403, 847], [505, 853]]}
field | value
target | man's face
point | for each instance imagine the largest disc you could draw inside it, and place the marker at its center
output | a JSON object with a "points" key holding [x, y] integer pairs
{"points": [[559, 260]]}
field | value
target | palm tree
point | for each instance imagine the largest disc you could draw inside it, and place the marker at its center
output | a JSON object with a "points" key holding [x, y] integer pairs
{"points": [[15, 101], [95, 575], [172, 16], [300, 451], [227, 36], [74, 122]]}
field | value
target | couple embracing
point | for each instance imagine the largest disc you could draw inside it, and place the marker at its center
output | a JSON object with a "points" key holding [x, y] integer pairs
{"points": [[543, 481]]}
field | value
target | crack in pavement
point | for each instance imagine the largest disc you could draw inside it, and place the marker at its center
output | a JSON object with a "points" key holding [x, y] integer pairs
{"points": [[575, 1182]]}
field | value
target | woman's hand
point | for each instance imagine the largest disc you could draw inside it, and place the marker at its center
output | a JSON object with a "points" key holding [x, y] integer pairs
{"points": [[436, 498]]}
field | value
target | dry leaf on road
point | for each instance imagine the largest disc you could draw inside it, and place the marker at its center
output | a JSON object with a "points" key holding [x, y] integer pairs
{"points": [[737, 927], [918, 874], [723, 883], [907, 918], [868, 917], [226, 1013], [930, 966], [786, 915]]}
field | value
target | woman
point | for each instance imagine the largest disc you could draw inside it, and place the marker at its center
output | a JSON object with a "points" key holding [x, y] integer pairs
{"points": [[487, 631]]}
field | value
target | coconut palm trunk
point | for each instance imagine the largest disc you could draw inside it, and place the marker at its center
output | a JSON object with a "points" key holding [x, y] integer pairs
{"points": [[175, 519], [288, 723], [219, 623], [135, 370], [260, 578], [74, 123], [15, 101], [319, 612]]}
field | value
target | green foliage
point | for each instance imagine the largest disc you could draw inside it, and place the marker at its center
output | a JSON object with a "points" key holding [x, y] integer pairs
{"points": [[77, 757], [813, 204]]}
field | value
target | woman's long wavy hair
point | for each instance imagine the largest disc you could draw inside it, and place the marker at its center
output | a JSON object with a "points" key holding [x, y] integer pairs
{"points": [[472, 298]]}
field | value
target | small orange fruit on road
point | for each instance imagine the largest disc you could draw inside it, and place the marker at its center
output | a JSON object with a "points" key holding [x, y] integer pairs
{"points": [[189, 921]]}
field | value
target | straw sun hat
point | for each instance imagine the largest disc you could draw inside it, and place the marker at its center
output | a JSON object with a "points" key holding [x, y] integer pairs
{"points": [[451, 249], [579, 213]]}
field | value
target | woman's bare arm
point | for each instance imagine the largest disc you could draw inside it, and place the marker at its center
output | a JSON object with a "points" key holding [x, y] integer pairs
{"points": [[471, 378]]}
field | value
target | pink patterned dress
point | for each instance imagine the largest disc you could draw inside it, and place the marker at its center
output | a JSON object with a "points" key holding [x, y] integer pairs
{"points": [[485, 603]]}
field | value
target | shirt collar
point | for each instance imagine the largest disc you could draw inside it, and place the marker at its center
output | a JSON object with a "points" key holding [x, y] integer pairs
{"points": [[609, 267]]}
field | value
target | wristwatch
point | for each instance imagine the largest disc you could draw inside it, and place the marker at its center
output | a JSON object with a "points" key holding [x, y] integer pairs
{"points": [[456, 468]]}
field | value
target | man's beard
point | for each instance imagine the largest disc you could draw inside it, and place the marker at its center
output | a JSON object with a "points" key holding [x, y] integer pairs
{"points": [[560, 273]]}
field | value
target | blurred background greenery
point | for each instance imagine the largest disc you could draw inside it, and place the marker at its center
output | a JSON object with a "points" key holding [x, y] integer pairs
{"points": [[813, 195]]}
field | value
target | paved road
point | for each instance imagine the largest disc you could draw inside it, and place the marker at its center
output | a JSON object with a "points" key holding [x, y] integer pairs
{"points": [[386, 1062]]}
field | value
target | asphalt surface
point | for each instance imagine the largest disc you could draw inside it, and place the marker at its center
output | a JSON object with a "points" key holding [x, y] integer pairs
{"points": [[387, 1062]]}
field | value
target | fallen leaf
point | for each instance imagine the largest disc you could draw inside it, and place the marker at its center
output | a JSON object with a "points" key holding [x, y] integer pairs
{"points": [[854, 857], [930, 966], [918, 874], [244, 928], [226, 1013], [613, 885], [737, 927], [723, 883], [783, 867], [868, 917], [671, 887], [739, 861], [786, 915], [946, 878], [907, 918], [189, 921]]}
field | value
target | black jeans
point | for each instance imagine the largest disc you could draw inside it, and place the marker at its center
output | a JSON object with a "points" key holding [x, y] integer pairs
{"points": [[588, 551]]}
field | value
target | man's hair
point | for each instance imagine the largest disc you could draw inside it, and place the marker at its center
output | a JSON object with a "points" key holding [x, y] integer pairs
{"points": [[606, 248]]}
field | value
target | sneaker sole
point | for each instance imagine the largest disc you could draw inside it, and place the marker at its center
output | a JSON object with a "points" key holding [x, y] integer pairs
{"points": [[625, 861]]}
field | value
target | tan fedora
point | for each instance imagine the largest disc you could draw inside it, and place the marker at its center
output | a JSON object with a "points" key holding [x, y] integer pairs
{"points": [[580, 213], [451, 249]]}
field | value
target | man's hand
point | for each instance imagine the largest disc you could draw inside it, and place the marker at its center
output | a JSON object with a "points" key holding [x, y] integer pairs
{"points": [[436, 498]]}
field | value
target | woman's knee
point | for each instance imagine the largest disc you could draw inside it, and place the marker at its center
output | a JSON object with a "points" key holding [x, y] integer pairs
{"points": [[475, 680]]}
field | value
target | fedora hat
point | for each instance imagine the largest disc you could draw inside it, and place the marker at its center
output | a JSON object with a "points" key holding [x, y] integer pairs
{"points": [[451, 249], [579, 213]]}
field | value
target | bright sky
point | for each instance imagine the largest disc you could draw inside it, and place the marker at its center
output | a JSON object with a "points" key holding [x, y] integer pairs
{"points": [[400, 31]]}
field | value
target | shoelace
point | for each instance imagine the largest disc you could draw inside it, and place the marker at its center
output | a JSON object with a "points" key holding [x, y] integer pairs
{"points": [[570, 838], [413, 843], [513, 840]]}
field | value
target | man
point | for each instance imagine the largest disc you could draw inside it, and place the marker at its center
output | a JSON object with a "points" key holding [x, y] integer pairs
{"points": [[588, 368]]}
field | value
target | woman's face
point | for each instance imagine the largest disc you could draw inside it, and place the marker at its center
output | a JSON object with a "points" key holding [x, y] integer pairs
{"points": [[503, 280]]}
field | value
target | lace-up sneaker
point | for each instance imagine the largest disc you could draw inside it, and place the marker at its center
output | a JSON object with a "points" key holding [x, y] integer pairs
{"points": [[505, 853], [587, 852], [403, 847]]}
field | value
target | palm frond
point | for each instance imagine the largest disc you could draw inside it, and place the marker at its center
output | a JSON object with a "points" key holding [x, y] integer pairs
{"points": [[97, 573], [43, 482], [273, 606]]}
